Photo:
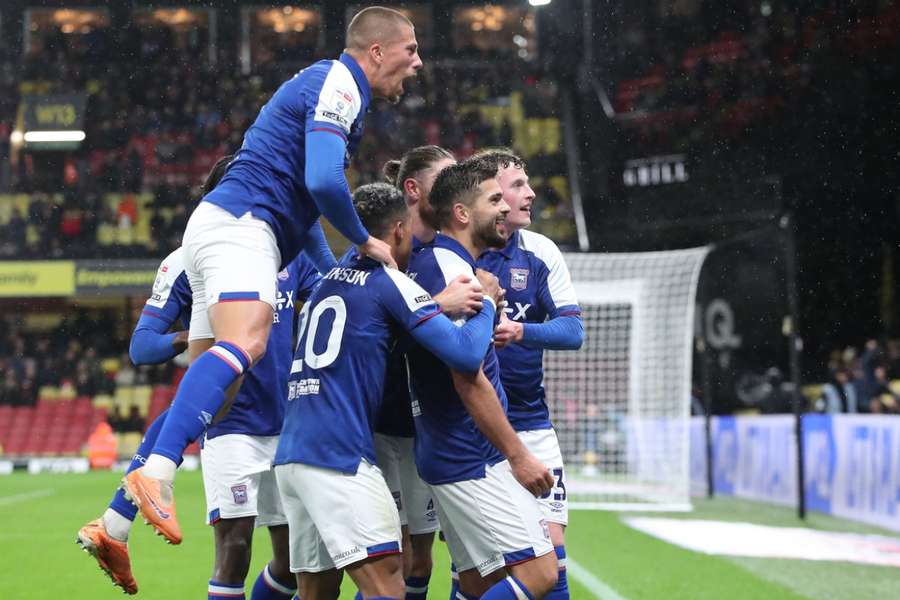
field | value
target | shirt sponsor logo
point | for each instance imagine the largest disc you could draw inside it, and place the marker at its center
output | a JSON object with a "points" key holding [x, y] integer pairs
{"points": [[518, 279], [239, 492], [517, 313], [303, 387]]}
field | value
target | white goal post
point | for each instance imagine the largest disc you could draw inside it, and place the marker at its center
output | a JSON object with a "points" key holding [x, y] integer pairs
{"points": [[621, 405]]}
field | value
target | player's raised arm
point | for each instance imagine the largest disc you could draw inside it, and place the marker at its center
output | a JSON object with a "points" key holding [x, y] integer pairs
{"points": [[317, 249], [460, 348], [151, 344]]}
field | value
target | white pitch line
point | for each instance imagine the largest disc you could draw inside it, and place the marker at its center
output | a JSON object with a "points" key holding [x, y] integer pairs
{"points": [[16, 498], [600, 590]]}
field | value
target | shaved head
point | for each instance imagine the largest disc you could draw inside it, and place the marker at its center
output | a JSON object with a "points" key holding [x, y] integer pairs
{"points": [[375, 25]]}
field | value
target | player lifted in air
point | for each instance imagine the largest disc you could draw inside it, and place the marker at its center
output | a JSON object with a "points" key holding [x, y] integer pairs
{"points": [[238, 450], [341, 513], [542, 313], [483, 479], [289, 169]]}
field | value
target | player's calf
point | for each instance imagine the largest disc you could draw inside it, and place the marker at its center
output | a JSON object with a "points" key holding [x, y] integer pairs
{"points": [[538, 576], [379, 577]]}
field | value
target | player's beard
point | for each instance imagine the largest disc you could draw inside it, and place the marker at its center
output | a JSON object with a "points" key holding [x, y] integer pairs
{"points": [[486, 234]]}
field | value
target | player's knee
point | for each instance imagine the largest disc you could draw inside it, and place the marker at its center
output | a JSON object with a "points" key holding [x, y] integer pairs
{"points": [[233, 558], [256, 346], [539, 575], [421, 564], [546, 574]]}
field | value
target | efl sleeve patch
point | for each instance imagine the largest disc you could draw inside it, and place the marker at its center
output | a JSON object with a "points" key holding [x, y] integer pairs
{"points": [[339, 101]]}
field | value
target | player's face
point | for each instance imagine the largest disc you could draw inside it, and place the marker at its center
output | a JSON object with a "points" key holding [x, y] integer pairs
{"points": [[488, 214], [400, 60], [425, 181], [519, 195]]}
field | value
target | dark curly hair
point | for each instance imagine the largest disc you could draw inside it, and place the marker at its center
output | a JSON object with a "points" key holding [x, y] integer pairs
{"points": [[379, 206]]}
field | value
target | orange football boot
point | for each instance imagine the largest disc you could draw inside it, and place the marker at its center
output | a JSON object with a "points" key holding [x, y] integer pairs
{"points": [[155, 500], [111, 554]]}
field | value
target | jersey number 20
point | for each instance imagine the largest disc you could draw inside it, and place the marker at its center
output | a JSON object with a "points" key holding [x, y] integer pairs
{"points": [[313, 319]]}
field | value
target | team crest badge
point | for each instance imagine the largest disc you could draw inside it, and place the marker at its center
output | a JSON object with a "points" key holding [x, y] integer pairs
{"points": [[283, 276], [240, 494], [518, 279]]}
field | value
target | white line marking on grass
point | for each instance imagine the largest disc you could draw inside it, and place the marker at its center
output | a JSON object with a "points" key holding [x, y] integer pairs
{"points": [[16, 498], [591, 582]]}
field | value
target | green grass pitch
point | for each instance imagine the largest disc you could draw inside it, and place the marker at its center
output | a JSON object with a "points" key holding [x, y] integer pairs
{"points": [[40, 514]]}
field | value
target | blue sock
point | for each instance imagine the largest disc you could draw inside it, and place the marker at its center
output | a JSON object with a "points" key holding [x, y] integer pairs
{"points": [[269, 588], [119, 503], [417, 588], [508, 589], [225, 591], [200, 396], [561, 590]]}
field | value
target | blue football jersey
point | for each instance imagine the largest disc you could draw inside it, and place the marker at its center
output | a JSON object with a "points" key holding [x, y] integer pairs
{"points": [[266, 176], [538, 287], [396, 417], [171, 297], [449, 446], [337, 379], [258, 408]]}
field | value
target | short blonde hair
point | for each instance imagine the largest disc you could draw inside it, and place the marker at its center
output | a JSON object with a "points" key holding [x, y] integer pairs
{"points": [[374, 24]]}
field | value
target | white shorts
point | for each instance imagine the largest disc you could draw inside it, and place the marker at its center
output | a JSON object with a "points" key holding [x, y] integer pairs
{"points": [[396, 459], [336, 519], [239, 481], [227, 259], [544, 444], [492, 522]]}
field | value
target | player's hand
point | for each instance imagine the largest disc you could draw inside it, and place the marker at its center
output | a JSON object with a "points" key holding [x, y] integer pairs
{"points": [[491, 286], [532, 474], [180, 341], [379, 250], [463, 296], [507, 332]]}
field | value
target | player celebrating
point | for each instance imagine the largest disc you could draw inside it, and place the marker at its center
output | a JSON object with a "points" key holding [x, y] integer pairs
{"points": [[236, 457], [491, 523], [106, 538], [288, 170], [414, 175], [341, 513], [543, 314]]}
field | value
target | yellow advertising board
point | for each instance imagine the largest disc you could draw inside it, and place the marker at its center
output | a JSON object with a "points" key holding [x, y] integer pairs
{"points": [[31, 279]]}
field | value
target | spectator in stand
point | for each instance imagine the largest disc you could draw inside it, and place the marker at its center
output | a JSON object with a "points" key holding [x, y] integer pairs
{"points": [[882, 400], [839, 395]]}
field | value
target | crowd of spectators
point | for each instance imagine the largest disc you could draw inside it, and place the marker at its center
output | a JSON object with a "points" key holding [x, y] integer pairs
{"points": [[860, 381], [159, 115], [729, 66], [73, 356]]}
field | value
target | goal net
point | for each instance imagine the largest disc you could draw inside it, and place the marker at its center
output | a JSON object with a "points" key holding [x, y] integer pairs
{"points": [[621, 405]]}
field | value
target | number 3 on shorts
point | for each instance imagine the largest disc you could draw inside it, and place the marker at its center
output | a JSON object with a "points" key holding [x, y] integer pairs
{"points": [[559, 490]]}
